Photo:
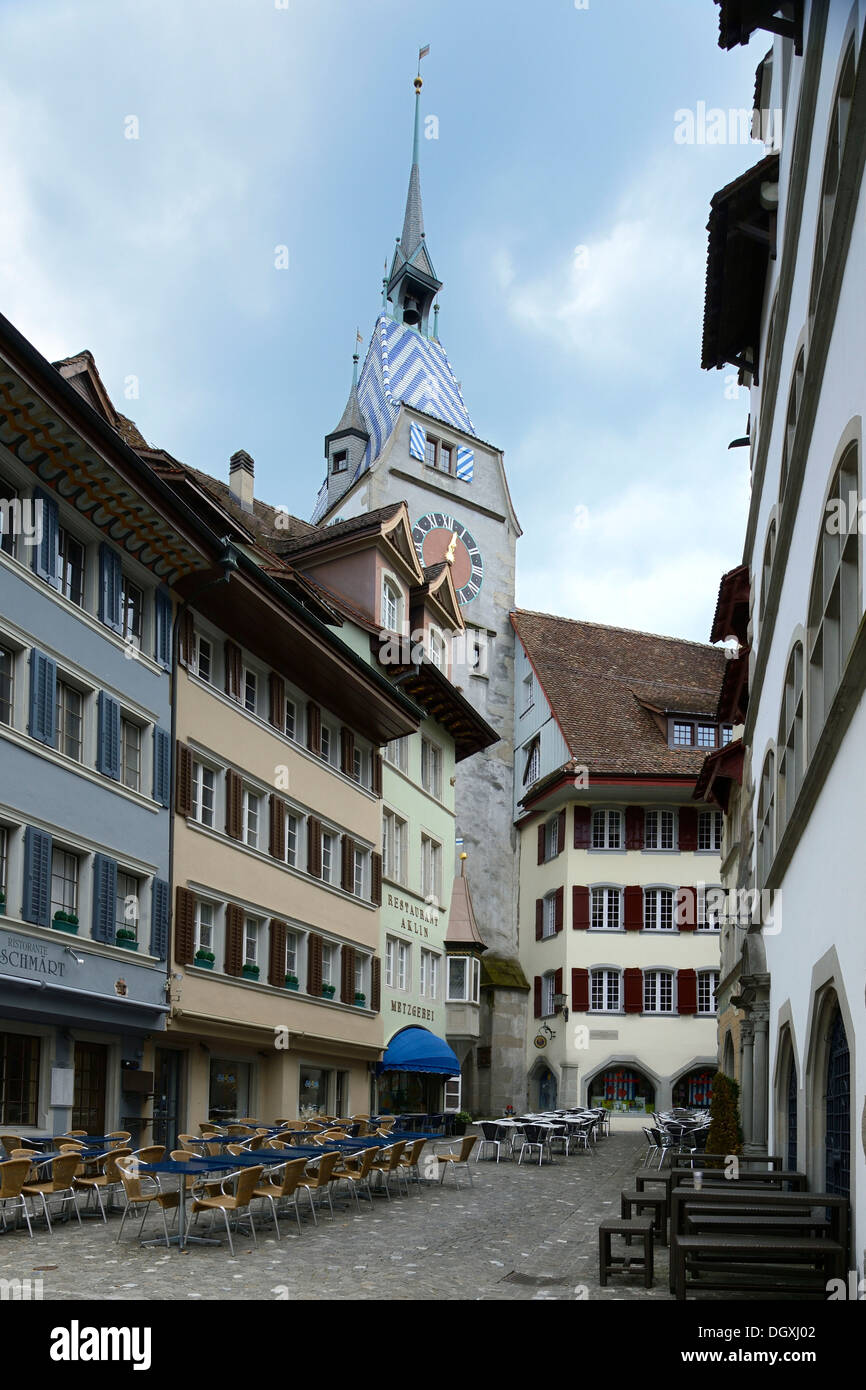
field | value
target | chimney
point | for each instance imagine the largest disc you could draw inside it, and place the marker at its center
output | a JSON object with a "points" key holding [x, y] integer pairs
{"points": [[241, 469]]}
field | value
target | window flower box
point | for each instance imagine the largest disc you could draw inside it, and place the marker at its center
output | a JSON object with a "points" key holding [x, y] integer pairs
{"points": [[65, 921], [126, 939], [291, 982], [328, 991], [204, 960], [250, 972], [360, 999]]}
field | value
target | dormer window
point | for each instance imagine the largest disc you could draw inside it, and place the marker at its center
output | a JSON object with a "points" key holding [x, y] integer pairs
{"points": [[391, 600], [437, 650], [340, 461]]}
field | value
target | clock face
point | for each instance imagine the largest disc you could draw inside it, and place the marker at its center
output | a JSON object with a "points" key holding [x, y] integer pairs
{"points": [[433, 535]]}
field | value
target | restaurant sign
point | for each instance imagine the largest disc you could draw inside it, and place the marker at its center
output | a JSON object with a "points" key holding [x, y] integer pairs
{"points": [[30, 958], [411, 915]]}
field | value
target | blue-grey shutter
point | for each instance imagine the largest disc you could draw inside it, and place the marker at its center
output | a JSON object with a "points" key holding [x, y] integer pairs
{"points": [[104, 898], [108, 737], [159, 919], [162, 629], [36, 904], [110, 588], [43, 698], [45, 553], [162, 766]]}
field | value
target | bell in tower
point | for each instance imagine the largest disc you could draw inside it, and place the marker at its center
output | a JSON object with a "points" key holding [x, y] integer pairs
{"points": [[411, 312]]}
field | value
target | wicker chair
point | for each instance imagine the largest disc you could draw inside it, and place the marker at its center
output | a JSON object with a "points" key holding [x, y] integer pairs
{"points": [[247, 1181], [13, 1175], [319, 1179], [60, 1184], [137, 1196], [459, 1158], [285, 1189], [107, 1181], [357, 1173], [389, 1163]]}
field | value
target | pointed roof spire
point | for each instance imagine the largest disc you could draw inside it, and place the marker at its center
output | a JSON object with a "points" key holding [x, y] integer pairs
{"points": [[351, 419], [413, 221], [463, 933]]}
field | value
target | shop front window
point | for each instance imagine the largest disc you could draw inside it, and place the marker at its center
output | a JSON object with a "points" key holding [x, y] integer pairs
{"points": [[622, 1088], [229, 1089], [312, 1090]]}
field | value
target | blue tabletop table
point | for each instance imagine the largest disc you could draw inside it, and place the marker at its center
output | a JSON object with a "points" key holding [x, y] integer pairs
{"points": [[197, 1167]]}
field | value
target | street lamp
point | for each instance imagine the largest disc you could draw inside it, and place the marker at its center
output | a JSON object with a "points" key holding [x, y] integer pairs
{"points": [[559, 1006]]}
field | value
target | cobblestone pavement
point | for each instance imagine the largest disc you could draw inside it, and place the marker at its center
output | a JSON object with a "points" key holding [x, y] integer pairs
{"points": [[520, 1233]]}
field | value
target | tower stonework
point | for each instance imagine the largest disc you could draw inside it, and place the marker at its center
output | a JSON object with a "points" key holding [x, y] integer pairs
{"points": [[421, 447]]}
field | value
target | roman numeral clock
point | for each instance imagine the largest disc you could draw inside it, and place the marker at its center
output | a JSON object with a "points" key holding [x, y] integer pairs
{"points": [[436, 536]]}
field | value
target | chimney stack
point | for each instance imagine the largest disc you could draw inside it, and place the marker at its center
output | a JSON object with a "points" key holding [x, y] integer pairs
{"points": [[241, 470]]}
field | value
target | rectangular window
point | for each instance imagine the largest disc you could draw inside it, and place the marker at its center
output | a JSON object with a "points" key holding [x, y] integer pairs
{"points": [[291, 953], [358, 765], [7, 685], [548, 989], [711, 901], [128, 903], [433, 977], [727, 733], [291, 724], [203, 926], [71, 568], [328, 843], [64, 882], [291, 839], [458, 979], [422, 972], [446, 454], [360, 873], [251, 941], [390, 607], [549, 916], [431, 452], [70, 721], [607, 829], [658, 909], [339, 463], [708, 983], [203, 658], [251, 691], [203, 787], [529, 692], [604, 991], [19, 1079], [431, 768], [706, 735], [396, 753], [710, 830], [130, 754], [390, 960], [328, 953], [132, 609], [252, 806], [533, 763], [325, 744], [606, 904], [394, 847], [402, 965], [431, 869], [658, 992], [551, 838], [360, 973], [659, 830], [684, 735]]}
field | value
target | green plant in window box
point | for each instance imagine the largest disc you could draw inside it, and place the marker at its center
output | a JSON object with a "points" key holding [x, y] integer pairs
{"points": [[250, 972], [291, 982], [205, 959], [65, 921], [328, 991], [360, 999], [126, 938]]}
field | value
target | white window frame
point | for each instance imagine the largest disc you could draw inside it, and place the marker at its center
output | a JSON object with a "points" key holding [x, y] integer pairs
{"points": [[705, 976], [125, 879], [432, 766], [390, 962], [709, 829], [199, 769], [431, 867], [68, 861], [251, 690], [710, 921], [397, 753], [392, 605], [252, 817], [200, 926], [659, 992], [548, 919], [360, 876], [404, 966], [252, 938], [127, 724], [602, 898], [659, 909], [548, 991], [605, 978], [203, 660], [660, 829], [607, 827], [329, 845], [64, 690]]}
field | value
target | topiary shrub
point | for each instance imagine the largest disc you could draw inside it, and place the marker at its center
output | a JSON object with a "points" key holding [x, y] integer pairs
{"points": [[725, 1134]]}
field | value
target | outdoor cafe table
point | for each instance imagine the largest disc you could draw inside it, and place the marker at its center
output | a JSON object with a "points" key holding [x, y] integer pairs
{"points": [[199, 1167], [765, 1177]]}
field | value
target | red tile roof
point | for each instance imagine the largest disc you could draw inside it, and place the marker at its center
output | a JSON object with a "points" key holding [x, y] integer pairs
{"points": [[599, 680]]}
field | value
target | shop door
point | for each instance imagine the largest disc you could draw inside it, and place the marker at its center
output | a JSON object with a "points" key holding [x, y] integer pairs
{"points": [[838, 1111], [166, 1101], [88, 1098], [547, 1090]]}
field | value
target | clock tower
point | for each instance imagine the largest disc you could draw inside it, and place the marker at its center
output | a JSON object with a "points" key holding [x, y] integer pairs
{"points": [[406, 435]]}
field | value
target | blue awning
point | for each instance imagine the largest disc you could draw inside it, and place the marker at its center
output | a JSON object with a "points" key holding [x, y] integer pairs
{"points": [[415, 1049]]}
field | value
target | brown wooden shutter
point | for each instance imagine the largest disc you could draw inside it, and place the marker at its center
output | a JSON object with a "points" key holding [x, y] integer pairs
{"points": [[234, 939], [187, 638], [277, 954], [277, 700], [314, 964], [375, 984], [536, 995], [560, 831], [347, 975], [183, 780], [559, 909], [347, 877], [582, 827], [557, 981], [539, 918], [634, 831], [376, 878], [314, 728], [234, 667], [580, 991], [277, 838], [688, 821], [347, 751], [377, 774], [542, 837], [579, 907], [687, 992], [633, 908], [314, 847], [633, 991], [686, 913], [234, 804], [184, 926]]}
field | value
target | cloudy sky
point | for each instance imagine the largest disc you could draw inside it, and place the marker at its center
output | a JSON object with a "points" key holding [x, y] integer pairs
{"points": [[565, 219]]}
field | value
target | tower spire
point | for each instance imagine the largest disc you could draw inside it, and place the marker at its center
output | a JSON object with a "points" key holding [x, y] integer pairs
{"points": [[412, 283]]}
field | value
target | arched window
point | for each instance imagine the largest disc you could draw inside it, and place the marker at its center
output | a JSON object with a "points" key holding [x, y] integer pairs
{"points": [[794, 398], [837, 1109], [766, 820], [834, 605], [839, 114], [790, 741], [767, 569], [791, 1114]]}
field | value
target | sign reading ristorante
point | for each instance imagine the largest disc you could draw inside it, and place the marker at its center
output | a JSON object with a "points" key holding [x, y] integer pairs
{"points": [[411, 915], [28, 957]]}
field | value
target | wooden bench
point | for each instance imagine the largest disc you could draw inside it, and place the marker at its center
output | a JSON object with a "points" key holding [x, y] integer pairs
{"points": [[758, 1262], [612, 1264]]}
